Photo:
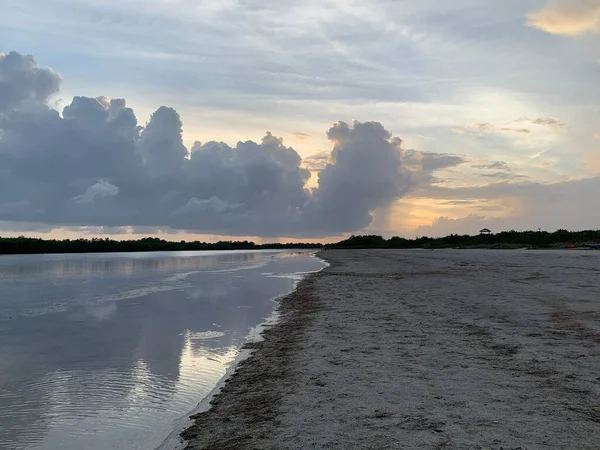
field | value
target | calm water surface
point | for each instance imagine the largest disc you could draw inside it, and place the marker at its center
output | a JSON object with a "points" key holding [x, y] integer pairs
{"points": [[106, 351]]}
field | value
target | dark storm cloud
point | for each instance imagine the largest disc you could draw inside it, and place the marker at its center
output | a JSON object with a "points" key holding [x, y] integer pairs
{"points": [[94, 165]]}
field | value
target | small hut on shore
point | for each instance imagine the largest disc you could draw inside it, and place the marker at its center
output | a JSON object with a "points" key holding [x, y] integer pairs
{"points": [[485, 231]]}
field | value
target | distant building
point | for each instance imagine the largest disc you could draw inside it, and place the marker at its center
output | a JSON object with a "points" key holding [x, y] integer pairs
{"points": [[485, 231]]}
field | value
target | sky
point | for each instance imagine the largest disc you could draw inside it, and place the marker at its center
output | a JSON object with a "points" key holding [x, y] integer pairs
{"points": [[278, 120]]}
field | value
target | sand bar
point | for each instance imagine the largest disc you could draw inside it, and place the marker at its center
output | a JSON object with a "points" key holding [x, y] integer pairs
{"points": [[423, 350]]}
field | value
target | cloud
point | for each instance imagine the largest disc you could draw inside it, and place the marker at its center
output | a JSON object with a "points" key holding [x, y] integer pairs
{"points": [[21, 79], [444, 226], [514, 130], [496, 165], [567, 17], [25, 227], [97, 192], [483, 128], [550, 122], [94, 165], [212, 205], [570, 205], [545, 121], [597, 136], [301, 136], [423, 165], [14, 207], [530, 205], [316, 162], [504, 175], [161, 144], [432, 162], [459, 202], [366, 172]]}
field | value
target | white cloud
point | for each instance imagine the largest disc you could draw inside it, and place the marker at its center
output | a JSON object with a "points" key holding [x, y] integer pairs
{"points": [[96, 192]]}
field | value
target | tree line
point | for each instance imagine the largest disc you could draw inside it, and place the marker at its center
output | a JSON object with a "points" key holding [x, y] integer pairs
{"points": [[535, 239], [26, 245]]}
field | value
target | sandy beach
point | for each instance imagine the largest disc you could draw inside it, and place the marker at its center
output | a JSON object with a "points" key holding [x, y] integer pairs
{"points": [[423, 350]]}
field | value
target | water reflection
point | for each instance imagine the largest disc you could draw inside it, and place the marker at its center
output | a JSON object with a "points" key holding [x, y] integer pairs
{"points": [[126, 264], [104, 351]]}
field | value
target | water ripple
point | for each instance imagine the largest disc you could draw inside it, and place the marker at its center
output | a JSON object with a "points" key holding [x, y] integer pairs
{"points": [[83, 365]]}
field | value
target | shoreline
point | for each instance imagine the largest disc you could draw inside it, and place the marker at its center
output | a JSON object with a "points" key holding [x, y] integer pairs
{"points": [[256, 336], [247, 393], [411, 349], [174, 440]]}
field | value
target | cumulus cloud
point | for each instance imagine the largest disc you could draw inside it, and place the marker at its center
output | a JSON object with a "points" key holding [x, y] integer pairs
{"points": [[366, 172], [161, 145], [95, 165], [21, 79], [567, 17]]}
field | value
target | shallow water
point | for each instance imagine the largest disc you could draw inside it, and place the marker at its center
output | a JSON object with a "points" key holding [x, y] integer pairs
{"points": [[106, 351]]}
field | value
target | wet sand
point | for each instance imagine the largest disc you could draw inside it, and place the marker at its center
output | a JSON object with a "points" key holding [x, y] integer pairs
{"points": [[423, 350]]}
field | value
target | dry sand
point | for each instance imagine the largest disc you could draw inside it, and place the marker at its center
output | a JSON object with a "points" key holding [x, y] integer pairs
{"points": [[424, 350]]}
